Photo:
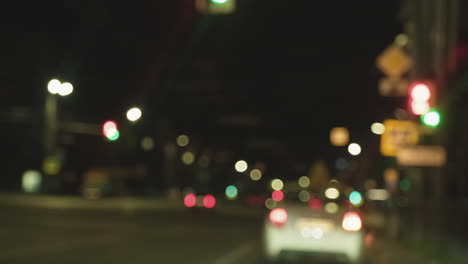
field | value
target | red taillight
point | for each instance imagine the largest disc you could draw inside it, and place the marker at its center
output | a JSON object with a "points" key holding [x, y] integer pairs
{"points": [[190, 200], [315, 204], [278, 217], [351, 222], [209, 201], [277, 196]]}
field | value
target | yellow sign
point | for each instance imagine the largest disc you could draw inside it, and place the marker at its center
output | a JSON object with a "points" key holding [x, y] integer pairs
{"points": [[398, 134], [394, 62], [424, 156]]}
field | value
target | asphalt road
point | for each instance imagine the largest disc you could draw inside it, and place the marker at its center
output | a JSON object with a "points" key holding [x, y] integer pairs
{"points": [[40, 235]]}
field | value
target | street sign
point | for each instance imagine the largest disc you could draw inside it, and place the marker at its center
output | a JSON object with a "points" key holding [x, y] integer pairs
{"points": [[424, 156], [394, 62], [398, 133], [393, 87]]}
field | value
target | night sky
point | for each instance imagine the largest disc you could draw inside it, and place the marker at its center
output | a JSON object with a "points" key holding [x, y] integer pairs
{"points": [[293, 68]]}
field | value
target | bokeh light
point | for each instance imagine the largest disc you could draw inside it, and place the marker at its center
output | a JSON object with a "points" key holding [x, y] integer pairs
{"points": [[147, 143], [31, 181], [315, 203], [354, 149], [54, 86], [277, 184], [255, 174], [332, 193], [355, 198], [241, 166], [304, 196], [190, 200], [134, 114], [331, 208], [66, 88], [209, 201], [304, 181], [277, 195], [270, 203], [231, 192], [183, 140], [378, 128], [188, 158]]}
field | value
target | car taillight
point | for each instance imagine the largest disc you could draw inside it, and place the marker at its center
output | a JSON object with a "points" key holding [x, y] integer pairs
{"points": [[278, 217], [351, 222], [190, 200], [209, 201], [315, 204]]}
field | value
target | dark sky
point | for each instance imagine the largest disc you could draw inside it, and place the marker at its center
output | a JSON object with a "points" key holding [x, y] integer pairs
{"points": [[297, 67]]}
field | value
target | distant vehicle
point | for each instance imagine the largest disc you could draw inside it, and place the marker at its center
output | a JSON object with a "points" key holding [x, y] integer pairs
{"points": [[317, 230], [198, 200]]}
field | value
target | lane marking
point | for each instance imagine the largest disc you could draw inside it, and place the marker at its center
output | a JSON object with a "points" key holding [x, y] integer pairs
{"points": [[235, 256]]}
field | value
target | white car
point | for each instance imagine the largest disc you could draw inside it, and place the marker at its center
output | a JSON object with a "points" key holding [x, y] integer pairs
{"points": [[297, 232]]}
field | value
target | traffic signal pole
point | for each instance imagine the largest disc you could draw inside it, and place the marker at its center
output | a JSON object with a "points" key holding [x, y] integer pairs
{"points": [[432, 28]]}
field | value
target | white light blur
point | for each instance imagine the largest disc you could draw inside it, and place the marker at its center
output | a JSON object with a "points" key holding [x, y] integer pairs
{"points": [[332, 193], [255, 174], [378, 128], [54, 86], [31, 181], [316, 233], [65, 89], [378, 194], [134, 114], [277, 184], [241, 166], [354, 149], [304, 181]]}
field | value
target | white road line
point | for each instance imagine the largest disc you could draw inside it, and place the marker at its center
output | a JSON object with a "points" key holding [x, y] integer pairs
{"points": [[238, 253]]}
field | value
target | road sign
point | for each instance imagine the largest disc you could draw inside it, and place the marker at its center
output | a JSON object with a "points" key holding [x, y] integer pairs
{"points": [[394, 62], [393, 87], [398, 133], [424, 156]]}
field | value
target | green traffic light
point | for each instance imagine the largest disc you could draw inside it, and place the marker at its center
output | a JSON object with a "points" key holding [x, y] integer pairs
{"points": [[431, 119], [115, 136], [355, 198], [219, 1]]}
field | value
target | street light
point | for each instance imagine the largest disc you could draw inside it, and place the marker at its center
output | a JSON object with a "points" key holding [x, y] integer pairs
{"points": [[51, 126], [133, 114], [354, 149], [56, 87]]}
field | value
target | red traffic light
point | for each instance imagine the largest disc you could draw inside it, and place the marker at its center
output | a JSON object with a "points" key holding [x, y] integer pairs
{"points": [[420, 94], [110, 131]]}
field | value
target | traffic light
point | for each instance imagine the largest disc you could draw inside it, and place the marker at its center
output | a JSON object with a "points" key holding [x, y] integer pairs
{"points": [[216, 7], [420, 94], [431, 119], [110, 131]]}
